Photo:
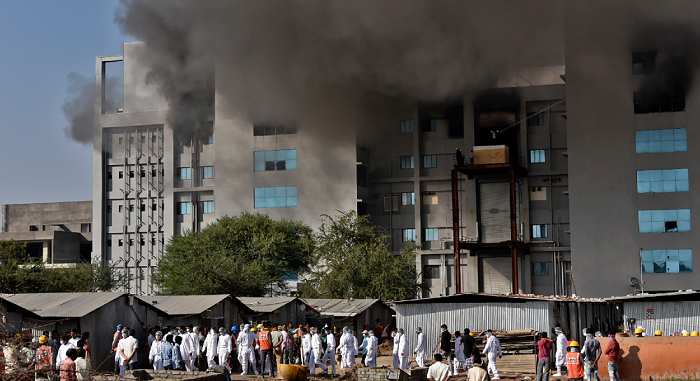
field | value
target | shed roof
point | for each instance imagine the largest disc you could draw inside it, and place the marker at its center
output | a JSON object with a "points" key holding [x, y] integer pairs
{"points": [[63, 304], [175, 305], [342, 307], [689, 295], [478, 297], [267, 304]]}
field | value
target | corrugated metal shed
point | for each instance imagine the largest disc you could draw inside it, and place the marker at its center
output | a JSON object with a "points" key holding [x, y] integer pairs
{"points": [[62, 305], [266, 304], [184, 304], [341, 307], [668, 296]]}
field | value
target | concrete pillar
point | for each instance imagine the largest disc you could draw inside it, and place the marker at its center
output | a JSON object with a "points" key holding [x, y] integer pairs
{"points": [[46, 252]]}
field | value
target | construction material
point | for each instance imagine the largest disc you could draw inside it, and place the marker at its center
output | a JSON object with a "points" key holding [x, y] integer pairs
{"points": [[491, 154]]}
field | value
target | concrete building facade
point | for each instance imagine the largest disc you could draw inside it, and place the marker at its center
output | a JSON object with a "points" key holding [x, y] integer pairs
{"points": [[58, 233]]}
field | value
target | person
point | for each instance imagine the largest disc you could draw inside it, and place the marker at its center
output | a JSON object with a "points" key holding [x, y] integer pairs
{"points": [[187, 349], [154, 355], [591, 351], [574, 362], [421, 348], [639, 332], [127, 349], [363, 346], [224, 348], [347, 349], [265, 343], [492, 351], [151, 338], [658, 333], [44, 354], [477, 371], [55, 343], [74, 337], [63, 350], [395, 349], [445, 348], [355, 347], [305, 346], [277, 342], [330, 351], [177, 353], [439, 371], [86, 346], [210, 348], [544, 362], [644, 330], [115, 342], [196, 349], [82, 367], [235, 361], [166, 352], [613, 352], [284, 346], [403, 350], [372, 344], [468, 341], [561, 350], [378, 329], [459, 353], [316, 349], [67, 369], [13, 356]]}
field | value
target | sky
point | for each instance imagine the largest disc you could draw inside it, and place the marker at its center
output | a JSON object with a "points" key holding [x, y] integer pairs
{"points": [[41, 42]]}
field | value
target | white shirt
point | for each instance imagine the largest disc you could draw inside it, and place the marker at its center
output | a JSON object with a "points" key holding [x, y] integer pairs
{"points": [[306, 343], [396, 343], [156, 349], [128, 345], [403, 346], [82, 369], [195, 342], [187, 347], [211, 343], [438, 371], [74, 342], [316, 343], [330, 342], [225, 345], [61, 356], [422, 346], [372, 346]]}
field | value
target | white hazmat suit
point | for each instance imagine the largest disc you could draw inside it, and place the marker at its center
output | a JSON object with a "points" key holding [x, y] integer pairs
{"points": [[403, 352], [372, 344], [330, 352], [347, 349], [211, 343], [155, 354], [395, 350], [224, 348], [561, 353], [493, 351], [188, 351], [421, 349], [317, 347]]}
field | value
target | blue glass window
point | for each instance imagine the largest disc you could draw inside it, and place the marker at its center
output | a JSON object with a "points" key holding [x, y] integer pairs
{"points": [[407, 162], [208, 207], [183, 173], [183, 208], [407, 126], [654, 141], [431, 234], [276, 197], [662, 180], [429, 161], [208, 172], [281, 160], [667, 261], [540, 268], [408, 198], [539, 231], [537, 156], [664, 221], [409, 235]]}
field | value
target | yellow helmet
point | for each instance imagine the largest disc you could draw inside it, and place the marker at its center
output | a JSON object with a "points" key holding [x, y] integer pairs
{"points": [[575, 344], [658, 333], [694, 333], [260, 326], [43, 339], [638, 330], [252, 330], [471, 334], [686, 333]]}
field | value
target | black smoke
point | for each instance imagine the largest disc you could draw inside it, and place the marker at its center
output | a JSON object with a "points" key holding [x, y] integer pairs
{"points": [[79, 105]]}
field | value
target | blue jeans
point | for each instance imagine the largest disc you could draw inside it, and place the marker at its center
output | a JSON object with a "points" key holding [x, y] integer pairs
{"points": [[591, 371], [543, 364], [614, 371]]}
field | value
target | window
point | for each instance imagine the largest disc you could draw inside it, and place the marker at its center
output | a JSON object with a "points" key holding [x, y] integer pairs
{"points": [[409, 235], [537, 156], [142, 207], [209, 140], [407, 162], [653, 141], [540, 268], [431, 235], [408, 198], [391, 204], [85, 228], [430, 199], [667, 101], [208, 207], [539, 231], [183, 173], [429, 125], [429, 161], [121, 174], [431, 272], [183, 208], [268, 130], [109, 243], [120, 242], [538, 194], [281, 160], [535, 119], [667, 261], [33, 228], [643, 62], [664, 221], [276, 197], [407, 126], [121, 141], [131, 174], [291, 276], [662, 180], [208, 172]]}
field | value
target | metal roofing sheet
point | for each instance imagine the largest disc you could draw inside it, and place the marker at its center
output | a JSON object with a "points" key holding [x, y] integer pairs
{"points": [[64, 304], [341, 307], [680, 295], [266, 304], [184, 304]]}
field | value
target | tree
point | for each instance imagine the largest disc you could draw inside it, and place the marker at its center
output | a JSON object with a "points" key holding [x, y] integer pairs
{"points": [[354, 261], [250, 254]]}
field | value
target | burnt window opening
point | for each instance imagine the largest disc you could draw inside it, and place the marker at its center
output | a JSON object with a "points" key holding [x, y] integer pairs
{"points": [[281, 165], [643, 63], [269, 165], [535, 119], [671, 226], [662, 101], [269, 130]]}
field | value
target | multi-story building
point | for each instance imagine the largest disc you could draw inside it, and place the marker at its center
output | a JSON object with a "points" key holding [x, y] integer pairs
{"points": [[580, 134], [58, 233]]}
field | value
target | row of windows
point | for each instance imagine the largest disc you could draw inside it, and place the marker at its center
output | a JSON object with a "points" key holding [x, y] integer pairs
{"points": [[667, 261], [427, 125], [280, 160], [429, 161], [276, 197], [429, 235], [654, 141], [662, 180], [141, 242], [270, 130], [664, 221], [183, 208], [142, 173], [185, 173]]}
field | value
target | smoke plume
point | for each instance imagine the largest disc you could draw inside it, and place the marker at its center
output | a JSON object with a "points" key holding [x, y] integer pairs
{"points": [[79, 105]]}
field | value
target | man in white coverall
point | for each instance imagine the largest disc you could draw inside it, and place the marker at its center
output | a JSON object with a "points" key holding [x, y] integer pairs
{"points": [[197, 350], [395, 351], [493, 351], [330, 350], [372, 344], [346, 347], [246, 344], [225, 347], [561, 350], [187, 349], [403, 350], [316, 348], [210, 345], [355, 347], [421, 348], [307, 353]]}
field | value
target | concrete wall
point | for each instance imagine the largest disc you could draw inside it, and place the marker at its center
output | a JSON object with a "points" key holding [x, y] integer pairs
{"points": [[64, 216], [602, 159]]}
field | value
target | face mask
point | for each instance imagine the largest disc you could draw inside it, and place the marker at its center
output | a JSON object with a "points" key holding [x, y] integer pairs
{"points": [[611, 337], [188, 330], [125, 335], [158, 337]]}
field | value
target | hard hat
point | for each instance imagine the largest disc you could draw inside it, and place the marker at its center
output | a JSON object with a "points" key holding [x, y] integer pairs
{"points": [[574, 344], [43, 339], [259, 326], [472, 334], [296, 336], [252, 330], [694, 333], [658, 333], [638, 330], [234, 328], [686, 333]]}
